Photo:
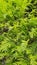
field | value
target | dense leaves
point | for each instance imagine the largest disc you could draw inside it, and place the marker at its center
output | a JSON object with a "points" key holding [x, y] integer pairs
{"points": [[18, 32]]}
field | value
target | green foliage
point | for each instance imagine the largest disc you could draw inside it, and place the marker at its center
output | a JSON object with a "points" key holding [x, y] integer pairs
{"points": [[18, 32]]}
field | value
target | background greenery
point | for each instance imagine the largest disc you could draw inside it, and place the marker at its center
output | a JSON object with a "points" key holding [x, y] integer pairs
{"points": [[18, 32]]}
